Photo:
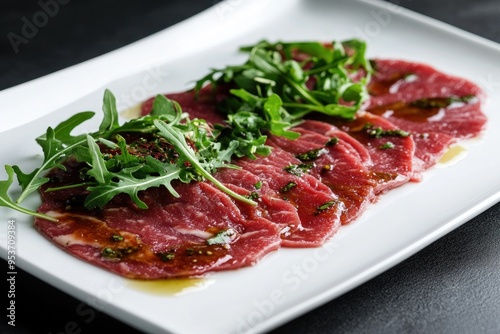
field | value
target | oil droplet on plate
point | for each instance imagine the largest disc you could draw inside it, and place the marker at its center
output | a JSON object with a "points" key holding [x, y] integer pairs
{"points": [[132, 112], [170, 287], [454, 154]]}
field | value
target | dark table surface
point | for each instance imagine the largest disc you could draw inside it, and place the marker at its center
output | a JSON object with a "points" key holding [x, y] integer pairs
{"points": [[451, 286]]}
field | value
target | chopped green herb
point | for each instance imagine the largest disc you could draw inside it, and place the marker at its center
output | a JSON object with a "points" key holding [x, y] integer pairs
{"points": [[258, 185], [253, 196], [378, 132], [332, 141], [290, 185], [117, 237], [386, 146], [117, 253], [109, 252], [223, 237], [311, 155], [325, 206], [299, 169], [169, 256]]}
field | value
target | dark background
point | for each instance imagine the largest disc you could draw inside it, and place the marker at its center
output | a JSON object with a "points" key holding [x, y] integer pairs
{"points": [[452, 286]]}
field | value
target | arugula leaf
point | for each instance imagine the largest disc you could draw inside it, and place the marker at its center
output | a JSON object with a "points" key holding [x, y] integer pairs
{"points": [[63, 131], [359, 58], [6, 201], [125, 157], [127, 183], [98, 170], [57, 143], [165, 107], [110, 119], [278, 124]]}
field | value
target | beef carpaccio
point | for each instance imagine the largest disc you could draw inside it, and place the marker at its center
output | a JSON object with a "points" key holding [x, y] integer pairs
{"points": [[306, 189]]}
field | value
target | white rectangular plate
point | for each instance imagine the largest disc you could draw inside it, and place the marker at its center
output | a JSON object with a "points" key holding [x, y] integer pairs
{"points": [[290, 281]]}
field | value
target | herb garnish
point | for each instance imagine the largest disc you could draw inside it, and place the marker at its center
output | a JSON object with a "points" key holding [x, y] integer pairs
{"points": [[299, 169], [223, 237], [117, 237], [325, 206], [271, 92], [378, 132], [387, 146], [287, 187], [311, 155], [280, 83], [197, 155], [253, 196], [168, 256], [332, 141]]}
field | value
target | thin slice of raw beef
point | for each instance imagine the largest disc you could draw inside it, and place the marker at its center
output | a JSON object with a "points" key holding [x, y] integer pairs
{"points": [[391, 150], [329, 130], [271, 205], [335, 165], [318, 207], [429, 148], [201, 231], [420, 99]]}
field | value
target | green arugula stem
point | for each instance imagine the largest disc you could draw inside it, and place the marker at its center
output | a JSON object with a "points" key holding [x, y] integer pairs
{"points": [[179, 142], [6, 201], [71, 186], [29, 188]]}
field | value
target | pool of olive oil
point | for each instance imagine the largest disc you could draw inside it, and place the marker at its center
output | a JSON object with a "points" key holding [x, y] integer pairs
{"points": [[170, 287], [454, 154]]}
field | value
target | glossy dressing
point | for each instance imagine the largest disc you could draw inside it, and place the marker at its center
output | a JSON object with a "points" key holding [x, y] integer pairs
{"points": [[170, 287], [453, 155]]}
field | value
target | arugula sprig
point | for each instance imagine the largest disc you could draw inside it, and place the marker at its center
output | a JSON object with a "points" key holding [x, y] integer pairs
{"points": [[307, 76], [7, 202], [280, 83], [271, 92], [183, 150]]}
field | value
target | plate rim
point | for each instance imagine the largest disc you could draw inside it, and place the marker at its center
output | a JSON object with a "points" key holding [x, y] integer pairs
{"points": [[397, 258]]}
